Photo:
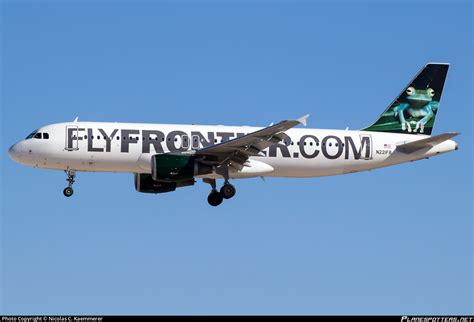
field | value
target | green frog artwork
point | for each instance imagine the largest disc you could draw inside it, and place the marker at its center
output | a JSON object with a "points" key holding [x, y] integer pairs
{"points": [[414, 110], [418, 109]]}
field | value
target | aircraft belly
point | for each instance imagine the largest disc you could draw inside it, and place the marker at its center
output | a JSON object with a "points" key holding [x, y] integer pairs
{"points": [[302, 168]]}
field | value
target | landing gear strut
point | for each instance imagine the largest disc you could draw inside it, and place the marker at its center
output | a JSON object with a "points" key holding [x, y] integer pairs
{"points": [[71, 174], [215, 198]]}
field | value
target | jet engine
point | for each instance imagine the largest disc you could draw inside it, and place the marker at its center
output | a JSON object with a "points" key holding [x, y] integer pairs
{"points": [[145, 183], [172, 168]]}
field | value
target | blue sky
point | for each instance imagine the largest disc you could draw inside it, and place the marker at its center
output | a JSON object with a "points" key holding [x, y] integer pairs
{"points": [[392, 241]]}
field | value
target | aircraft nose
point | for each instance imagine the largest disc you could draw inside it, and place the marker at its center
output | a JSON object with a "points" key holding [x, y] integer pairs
{"points": [[15, 152]]}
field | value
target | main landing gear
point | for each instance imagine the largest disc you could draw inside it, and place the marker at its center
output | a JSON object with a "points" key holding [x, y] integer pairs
{"points": [[71, 174], [215, 198], [227, 191]]}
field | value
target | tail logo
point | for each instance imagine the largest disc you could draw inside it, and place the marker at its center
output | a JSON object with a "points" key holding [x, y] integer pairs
{"points": [[414, 110], [418, 109]]}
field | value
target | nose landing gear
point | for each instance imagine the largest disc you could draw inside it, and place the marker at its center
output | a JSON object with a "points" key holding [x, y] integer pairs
{"points": [[215, 198], [68, 191]]}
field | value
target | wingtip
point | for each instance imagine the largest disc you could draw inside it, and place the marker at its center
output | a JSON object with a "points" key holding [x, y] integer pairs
{"points": [[303, 120], [453, 133]]}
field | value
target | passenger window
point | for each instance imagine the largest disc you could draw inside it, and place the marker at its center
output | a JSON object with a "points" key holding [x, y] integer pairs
{"points": [[46, 136], [118, 138]]}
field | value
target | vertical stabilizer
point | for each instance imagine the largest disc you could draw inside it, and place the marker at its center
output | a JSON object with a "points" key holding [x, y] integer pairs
{"points": [[414, 110]]}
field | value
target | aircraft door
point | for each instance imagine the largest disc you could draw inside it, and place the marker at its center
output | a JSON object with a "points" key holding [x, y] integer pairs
{"points": [[72, 138], [195, 142], [366, 146], [185, 142]]}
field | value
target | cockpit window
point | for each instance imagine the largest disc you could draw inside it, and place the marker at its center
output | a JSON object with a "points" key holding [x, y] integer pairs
{"points": [[38, 135], [31, 135]]}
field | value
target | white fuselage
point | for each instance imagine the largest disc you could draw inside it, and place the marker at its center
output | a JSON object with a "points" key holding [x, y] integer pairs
{"points": [[128, 147]]}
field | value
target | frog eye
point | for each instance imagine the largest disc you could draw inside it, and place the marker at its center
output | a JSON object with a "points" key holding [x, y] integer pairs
{"points": [[431, 92], [410, 90]]}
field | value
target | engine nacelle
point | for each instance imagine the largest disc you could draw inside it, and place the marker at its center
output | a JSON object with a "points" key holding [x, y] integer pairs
{"points": [[145, 183], [176, 168]]}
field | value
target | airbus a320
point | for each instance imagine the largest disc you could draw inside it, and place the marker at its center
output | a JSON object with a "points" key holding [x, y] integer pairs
{"points": [[164, 157]]}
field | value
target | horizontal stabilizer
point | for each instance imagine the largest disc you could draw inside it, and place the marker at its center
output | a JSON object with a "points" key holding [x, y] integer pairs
{"points": [[425, 143]]}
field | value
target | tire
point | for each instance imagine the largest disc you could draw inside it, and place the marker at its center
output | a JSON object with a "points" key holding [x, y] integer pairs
{"points": [[68, 191], [214, 199], [227, 191]]}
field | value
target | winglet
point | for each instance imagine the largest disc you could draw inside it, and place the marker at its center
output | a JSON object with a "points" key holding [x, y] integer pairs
{"points": [[303, 120], [76, 119]]}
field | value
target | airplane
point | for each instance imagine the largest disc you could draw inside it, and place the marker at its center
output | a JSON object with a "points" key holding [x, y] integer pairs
{"points": [[164, 157]]}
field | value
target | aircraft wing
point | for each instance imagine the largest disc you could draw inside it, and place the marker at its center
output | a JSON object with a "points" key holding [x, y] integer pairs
{"points": [[425, 143], [234, 153]]}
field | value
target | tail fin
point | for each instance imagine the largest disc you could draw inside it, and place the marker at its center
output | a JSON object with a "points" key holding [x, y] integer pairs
{"points": [[414, 110]]}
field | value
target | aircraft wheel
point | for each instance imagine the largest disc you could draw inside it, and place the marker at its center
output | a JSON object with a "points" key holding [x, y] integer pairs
{"points": [[227, 191], [214, 198], [68, 191]]}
